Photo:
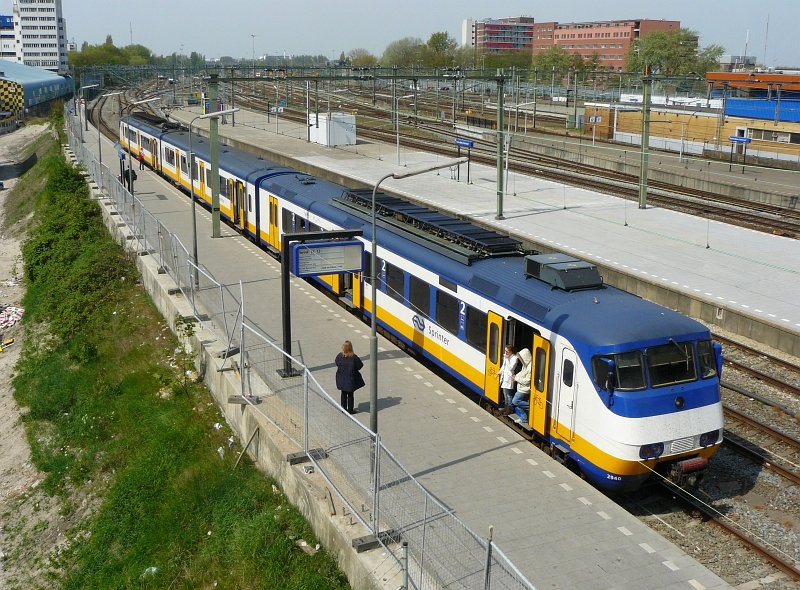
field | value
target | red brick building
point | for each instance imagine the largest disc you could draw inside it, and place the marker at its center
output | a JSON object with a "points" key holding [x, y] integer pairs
{"points": [[610, 40]]}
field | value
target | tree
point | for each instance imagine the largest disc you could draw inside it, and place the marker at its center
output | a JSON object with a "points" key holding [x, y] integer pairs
{"points": [[361, 58], [671, 53], [556, 57], [439, 50], [708, 59], [403, 52], [518, 59]]}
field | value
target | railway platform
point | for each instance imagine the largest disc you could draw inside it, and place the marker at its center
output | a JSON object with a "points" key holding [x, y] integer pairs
{"points": [[740, 280], [557, 529]]}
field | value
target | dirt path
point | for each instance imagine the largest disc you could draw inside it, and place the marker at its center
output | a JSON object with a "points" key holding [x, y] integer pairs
{"points": [[30, 525]]}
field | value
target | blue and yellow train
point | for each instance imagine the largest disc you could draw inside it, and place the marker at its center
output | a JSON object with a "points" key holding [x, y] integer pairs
{"points": [[622, 388]]}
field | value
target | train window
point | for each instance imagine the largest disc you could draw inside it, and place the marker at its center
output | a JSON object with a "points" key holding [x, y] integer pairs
{"points": [[540, 369], [630, 371], [447, 311], [223, 187], [169, 156], [671, 363], [184, 167], [494, 344], [448, 284], [195, 169], [395, 282], [208, 176], [419, 295], [708, 366], [249, 203], [568, 374], [476, 328]]}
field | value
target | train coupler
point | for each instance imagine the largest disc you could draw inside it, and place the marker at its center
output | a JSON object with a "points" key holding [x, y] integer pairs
{"points": [[689, 471]]}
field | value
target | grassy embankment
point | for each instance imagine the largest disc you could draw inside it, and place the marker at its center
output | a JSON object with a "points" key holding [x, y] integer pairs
{"points": [[112, 415]]}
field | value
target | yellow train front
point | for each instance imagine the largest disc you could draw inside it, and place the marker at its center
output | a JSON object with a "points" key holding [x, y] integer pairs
{"points": [[622, 388]]}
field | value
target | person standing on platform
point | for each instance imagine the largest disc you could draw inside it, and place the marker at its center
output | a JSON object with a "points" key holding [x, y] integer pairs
{"points": [[511, 365], [140, 157], [348, 375], [522, 399]]}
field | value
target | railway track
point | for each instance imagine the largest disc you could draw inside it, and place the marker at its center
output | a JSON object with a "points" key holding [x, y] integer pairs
{"points": [[763, 451], [428, 133], [776, 557]]}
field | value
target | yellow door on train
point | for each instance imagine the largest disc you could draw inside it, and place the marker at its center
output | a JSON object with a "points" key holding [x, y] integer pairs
{"points": [[540, 376], [494, 356], [274, 237], [240, 205], [201, 191]]}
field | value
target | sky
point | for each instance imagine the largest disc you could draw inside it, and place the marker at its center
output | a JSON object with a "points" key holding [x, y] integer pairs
{"points": [[330, 27]]}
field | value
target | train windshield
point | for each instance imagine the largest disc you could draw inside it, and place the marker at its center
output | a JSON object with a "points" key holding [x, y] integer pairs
{"points": [[663, 365], [630, 371], [671, 363]]}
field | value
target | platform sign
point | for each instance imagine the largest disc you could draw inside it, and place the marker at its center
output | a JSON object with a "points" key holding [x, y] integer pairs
{"points": [[310, 259], [737, 139], [464, 143], [595, 119]]}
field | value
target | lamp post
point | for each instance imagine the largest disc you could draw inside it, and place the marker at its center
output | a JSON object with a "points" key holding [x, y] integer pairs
{"points": [[213, 115], [373, 339], [83, 104], [128, 137]]}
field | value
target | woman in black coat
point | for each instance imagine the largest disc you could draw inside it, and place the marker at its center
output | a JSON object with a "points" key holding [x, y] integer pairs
{"points": [[348, 377]]}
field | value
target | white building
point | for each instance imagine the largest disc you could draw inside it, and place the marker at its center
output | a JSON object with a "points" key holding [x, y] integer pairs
{"points": [[40, 34]]}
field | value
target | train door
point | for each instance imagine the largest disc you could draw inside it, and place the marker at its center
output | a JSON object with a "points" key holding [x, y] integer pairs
{"points": [[565, 396], [154, 153], [540, 375], [201, 191], [494, 356], [274, 237], [357, 290], [239, 205]]}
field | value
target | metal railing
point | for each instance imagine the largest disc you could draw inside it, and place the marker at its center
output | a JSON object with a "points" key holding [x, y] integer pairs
{"points": [[379, 492]]}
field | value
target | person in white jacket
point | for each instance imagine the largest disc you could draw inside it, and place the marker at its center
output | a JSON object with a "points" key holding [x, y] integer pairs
{"points": [[511, 365], [522, 399]]}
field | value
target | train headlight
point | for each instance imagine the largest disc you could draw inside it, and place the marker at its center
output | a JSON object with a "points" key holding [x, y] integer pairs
{"points": [[709, 438], [651, 451]]}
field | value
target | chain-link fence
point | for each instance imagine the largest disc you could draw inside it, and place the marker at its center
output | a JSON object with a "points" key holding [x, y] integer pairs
{"points": [[442, 551]]}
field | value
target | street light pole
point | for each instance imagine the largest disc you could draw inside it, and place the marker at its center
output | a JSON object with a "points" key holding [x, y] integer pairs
{"points": [[373, 339], [83, 104], [215, 114]]}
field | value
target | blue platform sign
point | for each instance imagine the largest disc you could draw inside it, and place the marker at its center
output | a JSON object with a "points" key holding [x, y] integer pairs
{"points": [[464, 143], [310, 259], [737, 139]]}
